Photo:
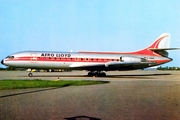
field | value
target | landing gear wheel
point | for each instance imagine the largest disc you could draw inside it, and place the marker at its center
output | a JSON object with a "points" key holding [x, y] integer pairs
{"points": [[90, 74], [103, 74], [96, 74], [30, 75]]}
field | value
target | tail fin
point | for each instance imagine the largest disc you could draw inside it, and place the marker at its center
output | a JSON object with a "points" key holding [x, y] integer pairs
{"points": [[159, 46], [163, 41]]}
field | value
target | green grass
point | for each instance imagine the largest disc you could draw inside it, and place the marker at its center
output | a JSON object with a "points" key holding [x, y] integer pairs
{"points": [[23, 84]]}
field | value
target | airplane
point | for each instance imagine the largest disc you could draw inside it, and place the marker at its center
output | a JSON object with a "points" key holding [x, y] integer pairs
{"points": [[94, 62]]}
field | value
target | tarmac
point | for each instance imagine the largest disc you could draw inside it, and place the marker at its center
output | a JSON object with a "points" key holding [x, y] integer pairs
{"points": [[130, 95]]}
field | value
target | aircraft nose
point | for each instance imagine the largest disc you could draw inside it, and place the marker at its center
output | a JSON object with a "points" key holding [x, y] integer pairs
{"points": [[170, 59], [2, 62]]}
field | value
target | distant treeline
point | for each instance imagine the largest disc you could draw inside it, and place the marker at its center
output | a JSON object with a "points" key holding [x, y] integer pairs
{"points": [[168, 68]]}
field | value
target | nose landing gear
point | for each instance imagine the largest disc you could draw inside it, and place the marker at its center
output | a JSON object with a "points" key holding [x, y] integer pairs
{"points": [[30, 74], [97, 74]]}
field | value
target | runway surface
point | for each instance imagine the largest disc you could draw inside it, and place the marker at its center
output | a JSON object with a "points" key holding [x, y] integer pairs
{"points": [[131, 95]]}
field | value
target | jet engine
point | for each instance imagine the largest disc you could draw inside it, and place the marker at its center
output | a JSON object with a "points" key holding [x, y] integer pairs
{"points": [[132, 59]]}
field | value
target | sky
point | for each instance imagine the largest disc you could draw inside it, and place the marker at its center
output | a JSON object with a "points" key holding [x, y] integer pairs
{"points": [[93, 25]]}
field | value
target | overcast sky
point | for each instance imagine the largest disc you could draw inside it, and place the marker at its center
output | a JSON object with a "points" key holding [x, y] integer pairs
{"points": [[97, 25]]}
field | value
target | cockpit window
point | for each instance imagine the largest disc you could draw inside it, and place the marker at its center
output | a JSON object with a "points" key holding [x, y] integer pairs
{"points": [[10, 57]]}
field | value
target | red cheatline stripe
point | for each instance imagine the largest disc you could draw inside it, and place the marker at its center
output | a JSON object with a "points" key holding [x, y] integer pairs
{"points": [[52, 59]]}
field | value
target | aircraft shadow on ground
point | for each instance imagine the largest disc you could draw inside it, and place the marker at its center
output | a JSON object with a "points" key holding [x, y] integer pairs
{"points": [[136, 76], [28, 92]]}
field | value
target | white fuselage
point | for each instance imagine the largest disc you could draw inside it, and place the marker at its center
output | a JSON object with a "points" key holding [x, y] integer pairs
{"points": [[86, 61]]}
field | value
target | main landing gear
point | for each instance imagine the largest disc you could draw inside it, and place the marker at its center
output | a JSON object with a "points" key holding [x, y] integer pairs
{"points": [[97, 74]]}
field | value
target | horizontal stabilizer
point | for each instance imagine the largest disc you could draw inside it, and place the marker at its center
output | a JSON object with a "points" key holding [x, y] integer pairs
{"points": [[162, 51], [159, 49]]}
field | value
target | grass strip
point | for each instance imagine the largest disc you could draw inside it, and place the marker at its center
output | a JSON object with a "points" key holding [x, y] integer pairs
{"points": [[24, 84]]}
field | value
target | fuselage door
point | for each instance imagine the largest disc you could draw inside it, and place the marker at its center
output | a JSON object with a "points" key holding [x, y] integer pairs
{"points": [[33, 57], [121, 59]]}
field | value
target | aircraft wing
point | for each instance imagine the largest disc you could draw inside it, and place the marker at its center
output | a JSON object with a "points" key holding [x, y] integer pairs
{"points": [[81, 65], [109, 64], [120, 64]]}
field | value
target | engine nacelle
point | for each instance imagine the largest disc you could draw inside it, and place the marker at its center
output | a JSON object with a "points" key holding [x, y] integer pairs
{"points": [[126, 61], [132, 59]]}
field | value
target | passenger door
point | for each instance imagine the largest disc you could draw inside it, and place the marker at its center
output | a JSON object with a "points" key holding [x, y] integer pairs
{"points": [[33, 57]]}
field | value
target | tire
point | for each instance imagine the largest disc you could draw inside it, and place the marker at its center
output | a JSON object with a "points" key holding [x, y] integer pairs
{"points": [[103, 74], [30, 75], [90, 74]]}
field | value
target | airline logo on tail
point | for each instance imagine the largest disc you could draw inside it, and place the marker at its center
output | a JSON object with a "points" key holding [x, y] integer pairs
{"points": [[162, 42], [158, 47]]}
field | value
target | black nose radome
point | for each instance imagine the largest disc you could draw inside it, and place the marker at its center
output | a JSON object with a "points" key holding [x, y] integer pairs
{"points": [[2, 62]]}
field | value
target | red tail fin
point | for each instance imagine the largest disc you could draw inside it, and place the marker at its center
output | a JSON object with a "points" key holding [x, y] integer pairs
{"points": [[157, 48], [162, 42]]}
